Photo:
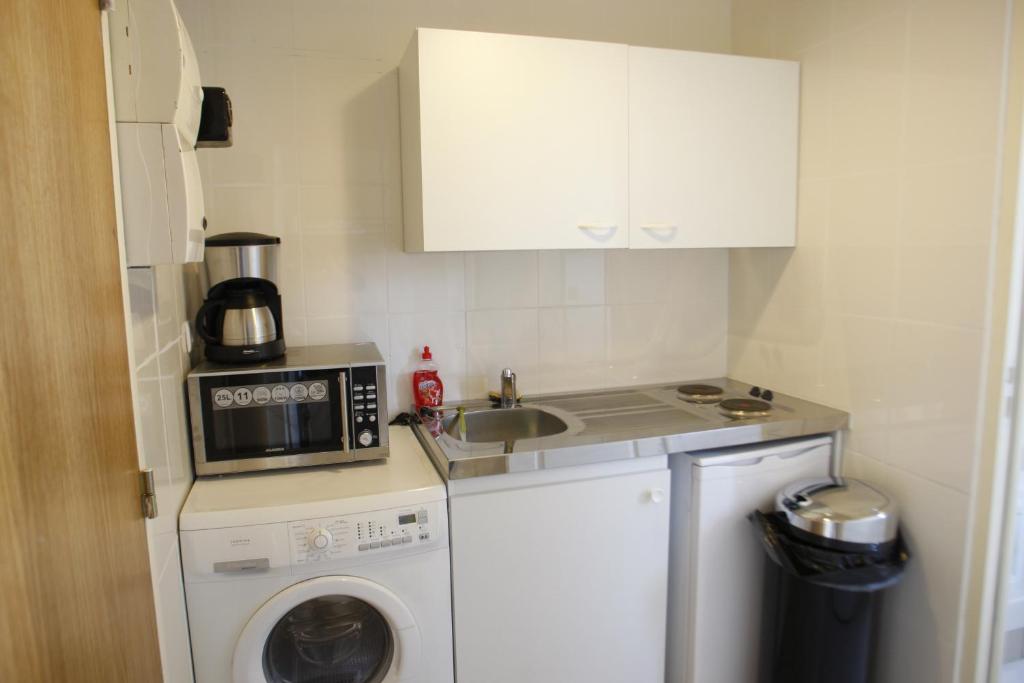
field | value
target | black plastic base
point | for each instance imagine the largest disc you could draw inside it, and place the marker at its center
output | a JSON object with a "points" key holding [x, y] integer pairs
{"points": [[257, 353], [814, 634]]}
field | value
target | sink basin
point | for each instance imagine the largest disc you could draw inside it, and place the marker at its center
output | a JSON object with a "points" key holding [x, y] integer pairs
{"points": [[505, 424]]}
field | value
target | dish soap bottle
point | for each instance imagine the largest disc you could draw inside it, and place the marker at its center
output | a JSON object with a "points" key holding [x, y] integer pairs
{"points": [[427, 389]]}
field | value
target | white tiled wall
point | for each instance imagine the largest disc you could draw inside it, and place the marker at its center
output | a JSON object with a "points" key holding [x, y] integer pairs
{"points": [[157, 304], [316, 160], [880, 310]]}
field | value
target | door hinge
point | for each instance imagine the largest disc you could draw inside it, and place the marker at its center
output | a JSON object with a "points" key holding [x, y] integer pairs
{"points": [[148, 494], [106, 5]]}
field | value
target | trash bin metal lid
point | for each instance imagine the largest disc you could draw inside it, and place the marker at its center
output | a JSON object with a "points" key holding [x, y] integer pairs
{"points": [[839, 509]]}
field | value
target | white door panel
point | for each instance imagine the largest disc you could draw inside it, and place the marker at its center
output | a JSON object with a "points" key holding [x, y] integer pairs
{"points": [[712, 150], [522, 142], [565, 582]]}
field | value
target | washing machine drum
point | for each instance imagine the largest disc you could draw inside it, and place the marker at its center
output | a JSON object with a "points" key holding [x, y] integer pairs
{"points": [[328, 630], [328, 640]]}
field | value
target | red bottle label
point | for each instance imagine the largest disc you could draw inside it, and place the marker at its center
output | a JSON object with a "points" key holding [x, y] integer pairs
{"points": [[427, 389]]}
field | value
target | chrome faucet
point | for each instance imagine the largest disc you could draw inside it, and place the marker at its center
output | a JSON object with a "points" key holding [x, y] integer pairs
{"points": [[508, 388]]}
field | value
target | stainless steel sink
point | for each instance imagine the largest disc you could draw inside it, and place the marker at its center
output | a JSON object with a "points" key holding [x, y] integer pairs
{"points": [[504, 424]]}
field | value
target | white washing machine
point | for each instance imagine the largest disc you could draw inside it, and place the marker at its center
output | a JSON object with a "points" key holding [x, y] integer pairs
{"points": [[337, 573]]}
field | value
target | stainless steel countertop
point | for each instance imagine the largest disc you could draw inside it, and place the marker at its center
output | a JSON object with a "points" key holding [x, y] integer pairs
{"points": [[628, 422]]}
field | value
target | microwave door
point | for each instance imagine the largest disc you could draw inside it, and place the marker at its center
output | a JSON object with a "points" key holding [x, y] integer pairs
{"points": [[294, 424], [273, 414]]}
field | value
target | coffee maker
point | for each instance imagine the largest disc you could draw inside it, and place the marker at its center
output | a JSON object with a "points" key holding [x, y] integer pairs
{"points": [[240, 320]]}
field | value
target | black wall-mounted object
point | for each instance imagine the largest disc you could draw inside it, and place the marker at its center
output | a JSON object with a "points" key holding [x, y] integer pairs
{"points": [[216, 119]]}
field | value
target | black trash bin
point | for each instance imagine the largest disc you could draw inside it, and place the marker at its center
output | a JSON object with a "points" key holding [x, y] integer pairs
{"points": [[833, 546]]}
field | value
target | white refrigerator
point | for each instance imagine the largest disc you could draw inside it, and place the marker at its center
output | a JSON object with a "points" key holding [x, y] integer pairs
{"points": [[716, 561]]}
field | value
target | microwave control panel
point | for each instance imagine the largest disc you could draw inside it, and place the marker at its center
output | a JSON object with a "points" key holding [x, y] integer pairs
{"points": [[366, 406], [366, 534]]}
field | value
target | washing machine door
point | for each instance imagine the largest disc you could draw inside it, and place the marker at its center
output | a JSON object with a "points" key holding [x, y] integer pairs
{"points": [[329, 629]]}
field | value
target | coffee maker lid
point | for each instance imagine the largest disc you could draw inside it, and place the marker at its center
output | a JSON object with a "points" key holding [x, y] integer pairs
{"points": [[241, 239]]}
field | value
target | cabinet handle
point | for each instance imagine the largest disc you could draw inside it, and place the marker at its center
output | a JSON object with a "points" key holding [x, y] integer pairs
{"points": [[663, 232], [656, 495], [600, 232]]}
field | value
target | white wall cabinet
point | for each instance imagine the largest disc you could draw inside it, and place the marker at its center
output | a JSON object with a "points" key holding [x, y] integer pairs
{"points": [[513, 142], [712, 150], [519, 142], [557, 577]]}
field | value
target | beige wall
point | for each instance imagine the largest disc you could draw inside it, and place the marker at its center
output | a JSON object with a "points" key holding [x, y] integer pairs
{"points": [[882, 308], [316, 160]]}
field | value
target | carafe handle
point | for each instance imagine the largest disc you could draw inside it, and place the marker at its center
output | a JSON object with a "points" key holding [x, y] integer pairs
{"points": [[209, 306]]}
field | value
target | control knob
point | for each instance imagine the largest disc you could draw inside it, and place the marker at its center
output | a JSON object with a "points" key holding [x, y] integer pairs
{"points": [[365, 437], [320, 539]]}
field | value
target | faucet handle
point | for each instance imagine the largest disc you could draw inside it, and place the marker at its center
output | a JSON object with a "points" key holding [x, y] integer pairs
{"points": [[507, 373]]}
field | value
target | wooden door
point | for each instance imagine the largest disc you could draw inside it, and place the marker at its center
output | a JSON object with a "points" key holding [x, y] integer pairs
{"points": [[521, 142], [712, 150], [76, 600]]}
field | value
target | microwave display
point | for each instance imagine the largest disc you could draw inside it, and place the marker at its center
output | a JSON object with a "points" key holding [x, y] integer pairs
{"points": [[280, 412]]}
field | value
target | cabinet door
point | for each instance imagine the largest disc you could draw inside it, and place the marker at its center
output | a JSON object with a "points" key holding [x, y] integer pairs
{"points": [[522, 143], [712, 150], [564, 582]]}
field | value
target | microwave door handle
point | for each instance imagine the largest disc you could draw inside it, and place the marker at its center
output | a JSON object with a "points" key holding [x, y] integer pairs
{"points": [[343, 383]]}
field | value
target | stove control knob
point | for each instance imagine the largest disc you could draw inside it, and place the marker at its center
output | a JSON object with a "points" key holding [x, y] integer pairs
{"points": [[365, 437], [755, 391], [767, 394], [320, 539]]}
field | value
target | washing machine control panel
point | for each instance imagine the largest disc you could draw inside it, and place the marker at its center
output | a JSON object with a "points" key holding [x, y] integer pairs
{"points": [[366, 534]]}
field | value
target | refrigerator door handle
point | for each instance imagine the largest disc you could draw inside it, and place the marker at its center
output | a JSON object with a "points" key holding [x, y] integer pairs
{"points": [[796, 454], [750, 462]]}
